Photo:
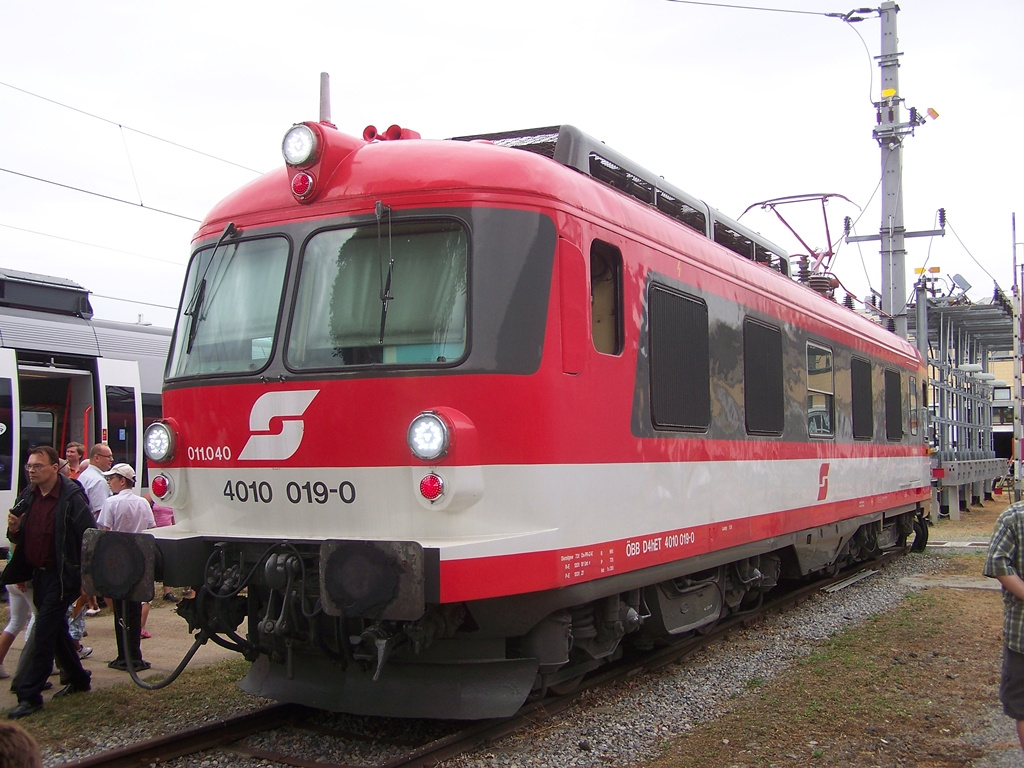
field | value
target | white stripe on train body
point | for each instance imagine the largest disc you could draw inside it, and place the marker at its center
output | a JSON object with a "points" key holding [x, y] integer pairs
{"points": [[510, 502]]}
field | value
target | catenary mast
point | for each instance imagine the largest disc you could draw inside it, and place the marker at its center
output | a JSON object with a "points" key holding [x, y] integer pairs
{"points": [[890, 131]]}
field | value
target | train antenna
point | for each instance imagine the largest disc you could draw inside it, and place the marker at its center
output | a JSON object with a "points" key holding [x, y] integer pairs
{"points": [[325, 98]]}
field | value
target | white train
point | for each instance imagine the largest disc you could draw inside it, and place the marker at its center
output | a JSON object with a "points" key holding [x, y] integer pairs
{"points": [[65, 376]]}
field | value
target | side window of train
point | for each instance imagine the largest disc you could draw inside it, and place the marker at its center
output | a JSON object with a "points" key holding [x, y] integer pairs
{"points": [[606, 297], [913, 405], [762, 378], [863, 415], [820, 392], [680, 363], [893, 405]]}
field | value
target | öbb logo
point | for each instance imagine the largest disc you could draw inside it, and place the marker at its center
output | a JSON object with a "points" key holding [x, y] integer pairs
{"points": [[288, 406], [823, 482]]}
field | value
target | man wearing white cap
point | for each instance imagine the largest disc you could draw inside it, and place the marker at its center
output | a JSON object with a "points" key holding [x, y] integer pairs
{"points": [[128, 513]]}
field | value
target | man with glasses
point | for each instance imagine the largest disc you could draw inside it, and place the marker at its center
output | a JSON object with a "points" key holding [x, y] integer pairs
{"points": [[46, 525], [101, 459]]}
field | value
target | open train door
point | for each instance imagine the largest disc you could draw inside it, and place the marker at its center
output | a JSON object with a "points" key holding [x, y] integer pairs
{"points": [[10, 430], [120, 393]]}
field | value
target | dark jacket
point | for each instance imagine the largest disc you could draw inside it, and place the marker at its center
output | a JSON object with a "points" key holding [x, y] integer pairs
{"points": [[73, 518]]}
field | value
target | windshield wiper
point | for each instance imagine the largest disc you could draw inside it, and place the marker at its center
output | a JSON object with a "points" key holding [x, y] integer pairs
{"points": [[195, 304], [194, 308], [385, 288]]}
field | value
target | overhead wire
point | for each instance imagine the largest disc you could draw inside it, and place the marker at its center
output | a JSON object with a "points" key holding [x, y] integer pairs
{"points": [[968, 252], [871, 65], [132, 301], [848, 18], [91, 245], [129, 128], [99, 194], [140, 204], [751, 8]]}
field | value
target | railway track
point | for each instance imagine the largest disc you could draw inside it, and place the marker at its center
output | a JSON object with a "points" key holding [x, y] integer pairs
{"points": [[276, 733]]}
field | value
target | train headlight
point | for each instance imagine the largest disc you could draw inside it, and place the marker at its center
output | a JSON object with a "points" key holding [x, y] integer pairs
{"points": [[158, 442], [428, 436], [300, 145]]}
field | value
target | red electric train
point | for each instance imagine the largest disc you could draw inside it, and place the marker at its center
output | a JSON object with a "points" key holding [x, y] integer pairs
{"points": [[450, 423]]}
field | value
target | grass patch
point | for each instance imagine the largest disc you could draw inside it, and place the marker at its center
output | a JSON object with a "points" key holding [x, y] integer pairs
{"points": [[197, 695], [899, 689]]}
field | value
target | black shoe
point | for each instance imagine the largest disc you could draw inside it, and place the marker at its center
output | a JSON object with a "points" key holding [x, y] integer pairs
{"points": [[171, 597], [122, 665], [24, 709], [71, 688]]}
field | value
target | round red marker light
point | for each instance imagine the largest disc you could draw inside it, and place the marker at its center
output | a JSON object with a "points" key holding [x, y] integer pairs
{"points": [[431, 487], [159, 486], [302, 184]]}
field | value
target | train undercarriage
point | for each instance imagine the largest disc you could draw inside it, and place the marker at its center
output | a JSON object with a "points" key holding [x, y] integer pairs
{"points": [[311, 645]]}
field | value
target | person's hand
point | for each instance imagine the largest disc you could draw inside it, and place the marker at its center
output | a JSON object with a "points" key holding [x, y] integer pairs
{"points": [[13, 523]]}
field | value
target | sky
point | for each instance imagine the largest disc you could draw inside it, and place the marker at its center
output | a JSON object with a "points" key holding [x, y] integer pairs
{"points": [[123, 123]]}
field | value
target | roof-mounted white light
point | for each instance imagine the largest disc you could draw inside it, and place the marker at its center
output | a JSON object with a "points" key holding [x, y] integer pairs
{"points": [[300, 145], [428, 436]]}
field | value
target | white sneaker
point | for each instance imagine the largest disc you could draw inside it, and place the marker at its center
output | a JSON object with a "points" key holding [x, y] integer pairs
{"points": [[92, 612], [4, 674], [84, 652]]}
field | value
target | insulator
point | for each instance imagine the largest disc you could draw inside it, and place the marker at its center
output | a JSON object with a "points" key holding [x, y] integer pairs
{"points": [[891, 325], [804, 273], [820, 283], [942, 217], [848, 301]]}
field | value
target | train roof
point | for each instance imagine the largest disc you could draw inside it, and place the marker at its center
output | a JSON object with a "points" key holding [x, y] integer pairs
{"points": [[44, 293], [353, 169], [352, 174]]}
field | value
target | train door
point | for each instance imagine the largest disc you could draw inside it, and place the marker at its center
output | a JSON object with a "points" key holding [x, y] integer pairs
{"points": [[46, 399], [121, 415], [10, 429]]}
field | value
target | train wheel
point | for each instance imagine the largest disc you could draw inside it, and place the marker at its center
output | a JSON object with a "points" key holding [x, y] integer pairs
{"points": [[566, 686], [920, 535], [707, 629]]}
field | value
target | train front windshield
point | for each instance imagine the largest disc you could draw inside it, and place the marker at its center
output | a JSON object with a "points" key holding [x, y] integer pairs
{"points": [[394, 295], [229, 309], [389, 296]]}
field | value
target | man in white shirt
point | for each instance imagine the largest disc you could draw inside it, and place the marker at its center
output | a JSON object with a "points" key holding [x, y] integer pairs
{"points": [[92, 478], [129, 513]]}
